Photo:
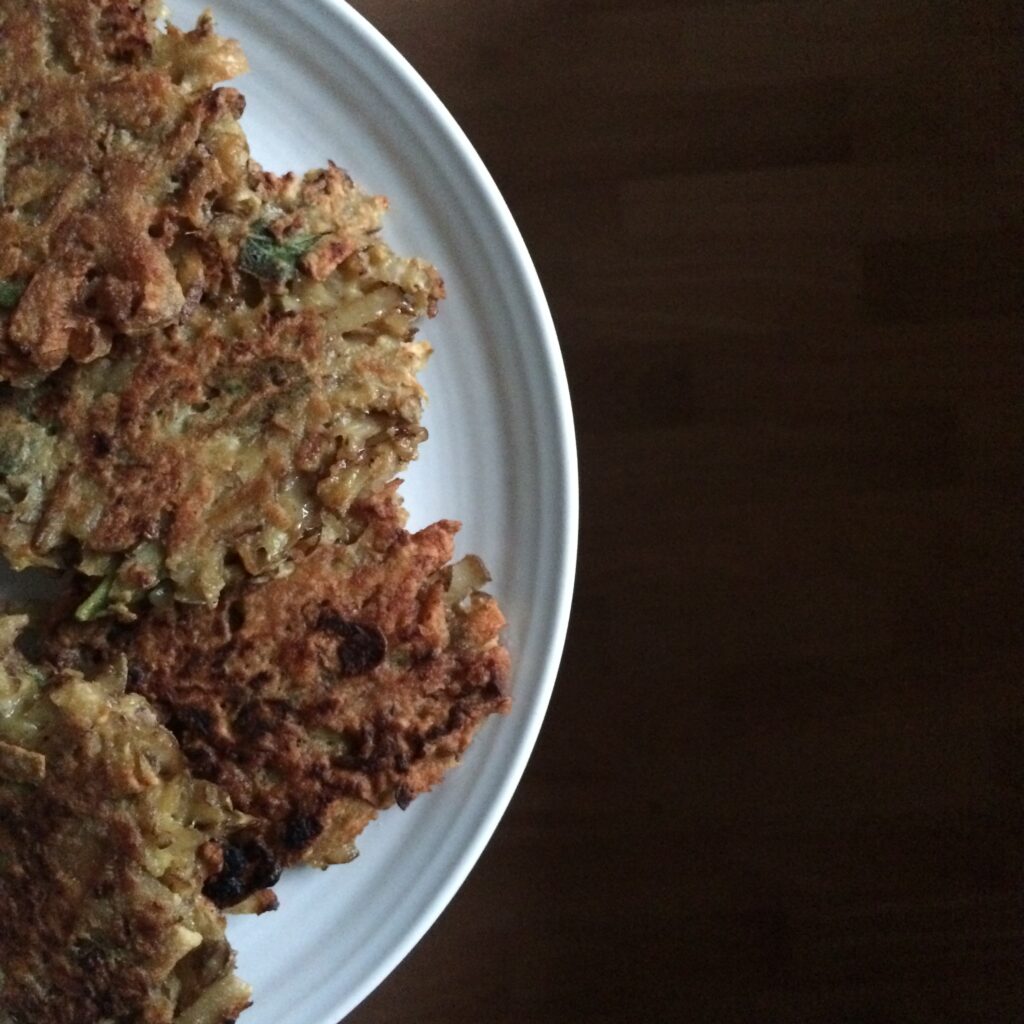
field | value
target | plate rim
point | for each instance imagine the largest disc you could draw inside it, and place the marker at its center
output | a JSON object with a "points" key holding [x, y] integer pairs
{"points": [[461, 148]]}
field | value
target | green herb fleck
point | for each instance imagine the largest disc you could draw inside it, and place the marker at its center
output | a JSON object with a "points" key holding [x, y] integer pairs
{"points": [[96, 602], [10, 293], [272, 259], [14, 453]]}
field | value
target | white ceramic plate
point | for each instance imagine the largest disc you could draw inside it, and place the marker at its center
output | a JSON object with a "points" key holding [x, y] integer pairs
{"points": [[325, 85], [501, 457]]}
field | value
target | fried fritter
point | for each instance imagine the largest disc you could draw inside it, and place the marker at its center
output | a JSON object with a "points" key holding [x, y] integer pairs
{"points": [[120, 166], [242, 357], [321, 697], [210, 449], [105, 844]]}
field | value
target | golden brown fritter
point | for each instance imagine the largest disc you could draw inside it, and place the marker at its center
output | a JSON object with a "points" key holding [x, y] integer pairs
{"points": [[244, 342], [320, 697], [120, 166], [211, 448], [105, 843]]}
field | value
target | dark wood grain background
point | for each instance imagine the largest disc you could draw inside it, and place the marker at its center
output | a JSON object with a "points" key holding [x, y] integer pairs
{"points": [[782, 779]]}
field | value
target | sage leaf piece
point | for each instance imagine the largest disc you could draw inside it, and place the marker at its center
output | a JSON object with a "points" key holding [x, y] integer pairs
{"points": [[272, 259]]}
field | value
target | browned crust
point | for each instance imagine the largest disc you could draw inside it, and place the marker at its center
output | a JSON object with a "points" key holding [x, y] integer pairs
{"points": [[112, 142], [100, 871], [80, 934], [231, 436], [145, 482], [318, 698], [264, 371]]}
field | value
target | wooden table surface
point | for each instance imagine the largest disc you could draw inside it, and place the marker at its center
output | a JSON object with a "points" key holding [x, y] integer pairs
{"points": [[782, 779]]}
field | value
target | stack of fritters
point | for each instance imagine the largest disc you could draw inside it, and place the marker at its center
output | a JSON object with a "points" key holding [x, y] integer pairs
{"points": [[105, 843], [322, 696], [211, 385]]}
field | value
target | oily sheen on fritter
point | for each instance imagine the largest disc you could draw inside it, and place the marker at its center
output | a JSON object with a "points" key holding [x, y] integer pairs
{"points": [[208, 450], [120, 166], [105, 844], [243, 363], [321, 697]]}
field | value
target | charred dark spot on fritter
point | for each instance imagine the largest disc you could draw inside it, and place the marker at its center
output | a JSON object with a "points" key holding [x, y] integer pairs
{"points": [[496, 688], [378, 747], [260, 680], [88, 954], [278, 374], [457, 717], [259, 717], [300, 830], [236, 616], [203, 760], [362, 647], [329, 621], [101, 444], [363, 650], [248, 867], [190, 722], [112, 636]]}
